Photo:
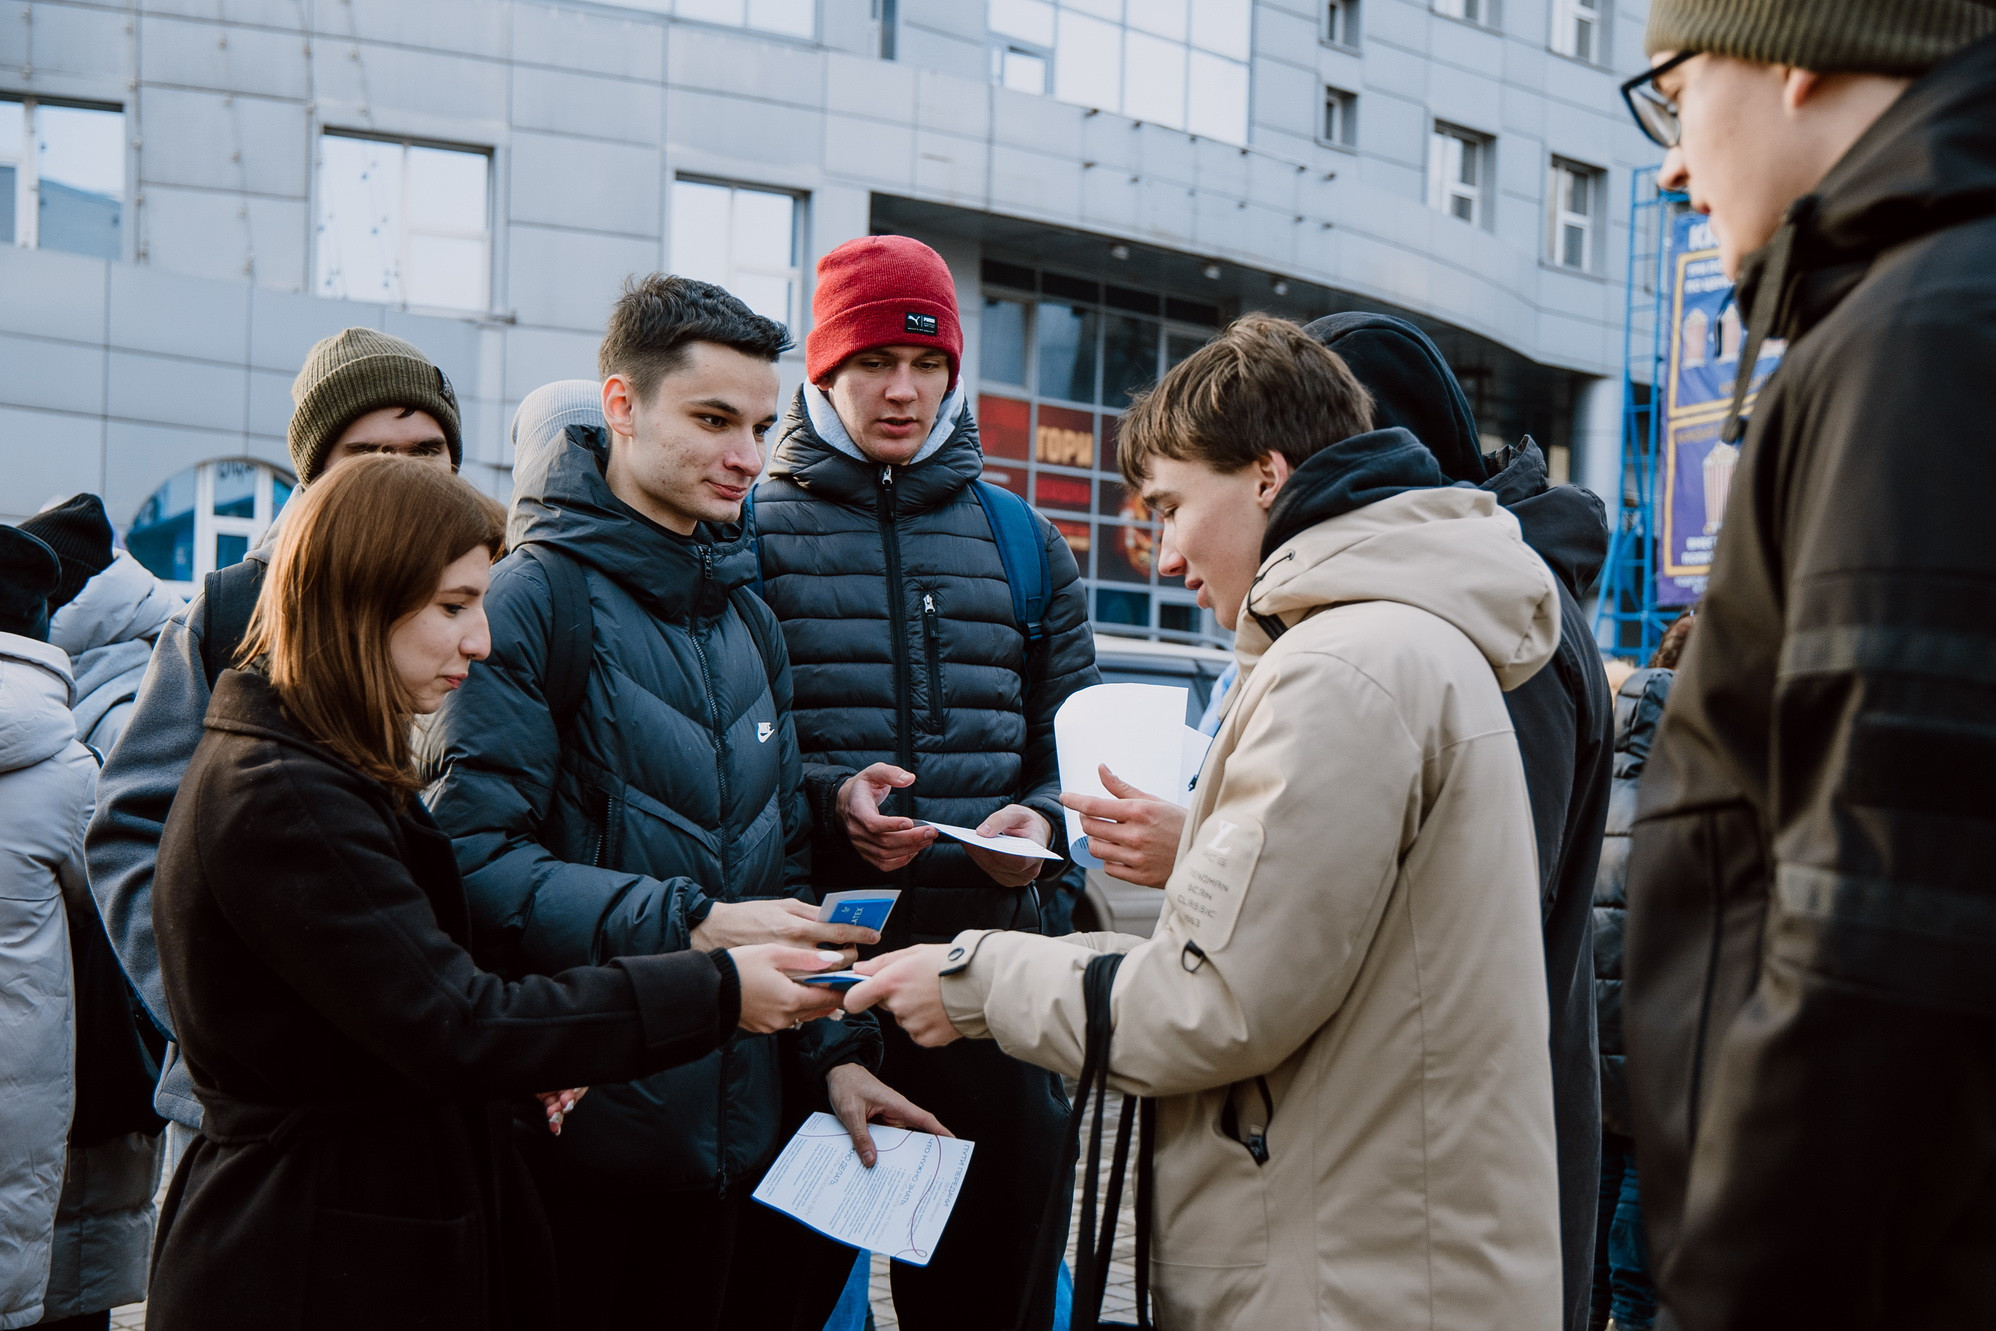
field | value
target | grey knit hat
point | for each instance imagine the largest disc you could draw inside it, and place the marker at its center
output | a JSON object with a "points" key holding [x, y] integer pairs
{"points": [[1898, 37], [357, 371]]}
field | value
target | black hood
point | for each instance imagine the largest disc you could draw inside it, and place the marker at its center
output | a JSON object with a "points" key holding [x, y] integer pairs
{"points": [[569, 505], [1350, 474], [804, 458], [1411, 386]]}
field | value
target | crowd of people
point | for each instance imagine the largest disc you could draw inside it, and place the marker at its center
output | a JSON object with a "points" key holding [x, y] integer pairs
{"points": [[427, 902]]}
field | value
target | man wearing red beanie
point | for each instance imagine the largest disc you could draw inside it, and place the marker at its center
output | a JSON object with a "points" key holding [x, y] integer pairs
{"points": [[926, 690]]}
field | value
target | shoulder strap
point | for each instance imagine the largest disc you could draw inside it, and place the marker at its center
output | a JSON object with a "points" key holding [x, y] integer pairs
{"points": [[761, 623], [228, 598], [1016, 528], [571, 632], [754, 538]]}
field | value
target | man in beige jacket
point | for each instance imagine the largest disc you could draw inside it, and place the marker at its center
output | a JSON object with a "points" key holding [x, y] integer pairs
{"points": [[1343, 1010]]}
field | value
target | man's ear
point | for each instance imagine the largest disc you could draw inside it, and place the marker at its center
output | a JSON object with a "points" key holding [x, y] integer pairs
{"points": [[619, 405], [1272, 471]]}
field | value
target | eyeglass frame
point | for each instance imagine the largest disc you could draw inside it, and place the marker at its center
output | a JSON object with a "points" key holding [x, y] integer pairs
{"points": [[1636, 87]]}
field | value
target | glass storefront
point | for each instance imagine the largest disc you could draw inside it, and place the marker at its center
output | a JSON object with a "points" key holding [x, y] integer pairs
{"points": [[1059, 359], [205, 518]]}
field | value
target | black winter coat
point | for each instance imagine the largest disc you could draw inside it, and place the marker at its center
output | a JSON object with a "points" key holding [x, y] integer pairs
{"points": [[905, 650], [675, 784], [356, 1168], [1638, 708], [1564, 721], [1811, 995]]}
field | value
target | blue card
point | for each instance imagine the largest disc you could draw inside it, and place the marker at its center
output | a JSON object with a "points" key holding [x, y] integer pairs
{"points": [[867, 907], [839, 980]]}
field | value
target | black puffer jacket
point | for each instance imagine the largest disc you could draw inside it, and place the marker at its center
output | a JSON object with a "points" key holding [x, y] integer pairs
{"points": [[1638, 708], [1563, 716], [905, 649], [1812, 914], [676, 783]]}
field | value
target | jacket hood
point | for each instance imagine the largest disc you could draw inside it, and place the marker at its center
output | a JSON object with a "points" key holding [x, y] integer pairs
{"points": [[567, 504], [803, 457], [1565, 524], [123, 603], [1350, 474], [1411, 385], [1451, 551], [35, 697]]}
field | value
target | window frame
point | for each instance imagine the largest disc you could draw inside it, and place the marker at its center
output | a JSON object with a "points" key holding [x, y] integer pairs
{"points": [[1483, 14], [1558, 217], [1003, 48], [209, 524], [1346, 101], [1340, 15], [28, 170], [794, 274], [407, 141], [1566, 20], [1442, 191]]}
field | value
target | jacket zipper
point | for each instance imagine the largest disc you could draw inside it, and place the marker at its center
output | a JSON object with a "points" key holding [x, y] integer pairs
{"points": [[699, 636], [600, 856], [932, 634], [904, 704]]}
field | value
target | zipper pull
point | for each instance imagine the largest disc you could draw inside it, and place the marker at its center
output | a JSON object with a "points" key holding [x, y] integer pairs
{"points": [[887, 476], [928, 604]]}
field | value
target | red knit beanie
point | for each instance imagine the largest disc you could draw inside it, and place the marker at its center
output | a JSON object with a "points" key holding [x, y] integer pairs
{"points": [[881, 291]]}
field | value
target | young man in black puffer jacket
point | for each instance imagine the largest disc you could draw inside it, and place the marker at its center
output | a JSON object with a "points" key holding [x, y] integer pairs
{"points": [[917, 697]]}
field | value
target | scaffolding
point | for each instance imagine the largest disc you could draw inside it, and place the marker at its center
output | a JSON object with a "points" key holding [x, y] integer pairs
{"points": [[1627, 620]]}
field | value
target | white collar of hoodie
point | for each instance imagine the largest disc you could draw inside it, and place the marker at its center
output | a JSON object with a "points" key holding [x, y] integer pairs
{"points": [[825, 421]]}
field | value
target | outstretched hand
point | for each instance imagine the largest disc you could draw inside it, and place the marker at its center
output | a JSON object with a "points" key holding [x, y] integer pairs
{"points": [[909, 985], [858, 1098], [884, 842]]}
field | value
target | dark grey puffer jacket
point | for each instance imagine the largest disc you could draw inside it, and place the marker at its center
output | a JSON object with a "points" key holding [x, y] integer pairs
{"points": [[675, 784], [1638, 708], [905, 649]]}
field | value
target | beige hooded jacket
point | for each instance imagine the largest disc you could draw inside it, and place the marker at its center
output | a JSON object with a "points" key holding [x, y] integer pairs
{"points": [[1352, 932]]}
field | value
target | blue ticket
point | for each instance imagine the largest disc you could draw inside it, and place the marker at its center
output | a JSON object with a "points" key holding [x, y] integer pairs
{"points": [[866, 907]]}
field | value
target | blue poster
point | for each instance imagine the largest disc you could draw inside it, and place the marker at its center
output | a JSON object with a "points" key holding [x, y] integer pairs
{"points": [[1706, 340]]}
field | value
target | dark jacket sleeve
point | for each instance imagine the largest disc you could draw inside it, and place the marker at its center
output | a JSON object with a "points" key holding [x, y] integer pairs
{"points": [[355, 936], [501, 761], [1067, 663], [1860, 1061]]}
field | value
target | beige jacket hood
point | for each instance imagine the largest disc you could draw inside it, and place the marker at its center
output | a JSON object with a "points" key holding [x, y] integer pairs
{"points": [[1342, 1012]]}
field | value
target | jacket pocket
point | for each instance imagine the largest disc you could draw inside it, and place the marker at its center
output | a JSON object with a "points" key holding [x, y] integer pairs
{"points": [[392, 1271], [1211, 1204], [932, 640]]}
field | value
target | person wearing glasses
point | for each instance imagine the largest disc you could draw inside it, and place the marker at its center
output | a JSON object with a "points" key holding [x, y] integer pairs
{"points": [[1810, 1000]]}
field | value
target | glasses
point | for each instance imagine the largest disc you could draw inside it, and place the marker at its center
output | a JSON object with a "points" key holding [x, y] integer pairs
{"points": [[1656, 115]]}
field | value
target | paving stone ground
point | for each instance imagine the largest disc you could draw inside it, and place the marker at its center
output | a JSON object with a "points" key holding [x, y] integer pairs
{"points": [[1120, 1301]]}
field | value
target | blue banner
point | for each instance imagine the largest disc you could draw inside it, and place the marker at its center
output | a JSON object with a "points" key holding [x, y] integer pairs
{"points": [[1706, 337]]}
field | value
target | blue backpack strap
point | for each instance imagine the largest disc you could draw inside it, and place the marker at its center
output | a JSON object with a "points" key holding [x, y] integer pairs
{"points": [[1017, 530]]}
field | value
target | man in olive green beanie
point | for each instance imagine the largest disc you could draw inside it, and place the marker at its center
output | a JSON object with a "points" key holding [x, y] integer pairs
{"points": [[1809, 1000], [365, 391]]}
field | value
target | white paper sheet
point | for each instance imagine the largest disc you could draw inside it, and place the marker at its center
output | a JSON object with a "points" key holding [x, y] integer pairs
{"points": [[1004, 845], [898, 1207], [1135, 729]]}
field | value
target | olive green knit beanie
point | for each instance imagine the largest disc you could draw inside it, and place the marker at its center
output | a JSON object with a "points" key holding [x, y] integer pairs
{"points": [[357, 371], [1897, 37]]}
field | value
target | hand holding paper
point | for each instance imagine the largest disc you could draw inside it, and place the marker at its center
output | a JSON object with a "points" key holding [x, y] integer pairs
{"points": [[898, 1207]]}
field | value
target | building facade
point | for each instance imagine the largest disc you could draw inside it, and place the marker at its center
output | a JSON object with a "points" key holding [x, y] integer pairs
{"points": [[193, 191]]}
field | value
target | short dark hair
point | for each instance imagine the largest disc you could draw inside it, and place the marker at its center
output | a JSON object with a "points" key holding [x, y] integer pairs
{"points": [[659, 316], [1262, 386]]}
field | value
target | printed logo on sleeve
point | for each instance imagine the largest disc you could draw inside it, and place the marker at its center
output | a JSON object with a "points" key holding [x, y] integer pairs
{"points": [[920, 323], [1210, 882]]}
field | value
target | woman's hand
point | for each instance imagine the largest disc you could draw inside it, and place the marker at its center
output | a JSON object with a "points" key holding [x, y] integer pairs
{"points": [[908, 984], [556, 1105], [771, 1000], [858, 1098], [784, 920]]}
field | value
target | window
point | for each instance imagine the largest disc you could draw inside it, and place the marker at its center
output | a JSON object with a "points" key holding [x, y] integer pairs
{"points": [[1059, 360], [1458, 168], [404, 222], [1469, 11], [742, 238], [790, 18], [1341, 22], [206, 517], [1573, 201], [62, 177], [1178, 63], [1576, 30], [1340, 118], [888, 14]]}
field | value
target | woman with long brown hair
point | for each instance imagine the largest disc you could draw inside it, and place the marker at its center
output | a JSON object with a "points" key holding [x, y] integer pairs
{"points": [[356, 1167]]}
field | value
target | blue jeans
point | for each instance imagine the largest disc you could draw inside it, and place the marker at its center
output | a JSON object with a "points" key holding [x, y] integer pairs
{"points": [[1622, 1288]]}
